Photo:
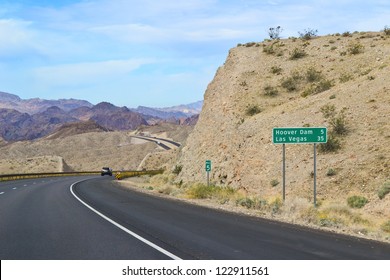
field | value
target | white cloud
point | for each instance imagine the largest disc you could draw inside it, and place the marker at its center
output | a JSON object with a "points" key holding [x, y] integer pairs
{"points": [[14, 35]]}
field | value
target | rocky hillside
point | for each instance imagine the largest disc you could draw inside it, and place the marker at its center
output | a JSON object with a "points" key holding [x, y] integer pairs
{"points": [[340, 81]]}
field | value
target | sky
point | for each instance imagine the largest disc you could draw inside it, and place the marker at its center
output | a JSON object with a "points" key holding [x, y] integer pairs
{"points": [[150, 53]]}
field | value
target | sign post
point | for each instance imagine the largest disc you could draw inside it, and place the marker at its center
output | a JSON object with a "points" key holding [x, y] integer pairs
{"points": [[284, 172], [208, 169], [300, 135]]}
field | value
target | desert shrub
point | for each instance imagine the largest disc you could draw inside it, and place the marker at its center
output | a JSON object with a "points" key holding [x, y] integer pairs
{"points": [[270, 91], [275, 205], [316, 88], [250, 44], [386, 30], [274, 182], [269, 49], [331, 172], [274, 32], [177, 169], [384, 190], [332, 145], [252, 110], [326, 220], [308, 34], [323, 85], [276, 70], [312, 75], [246, 202], [355, 48], [345, 77], [346, 34], [357, 201], [292, 83], [386, 226], [297, 53], [202, 191], [273, 48], [328, 110], [339, 124]]}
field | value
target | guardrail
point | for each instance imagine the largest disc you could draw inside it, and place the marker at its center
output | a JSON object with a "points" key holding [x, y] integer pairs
{"points": [[127, 174], [122, 174]]}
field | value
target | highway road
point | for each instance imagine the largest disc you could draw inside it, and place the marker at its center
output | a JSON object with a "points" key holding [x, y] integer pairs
{"points": [[96, 219], [163, 143]]}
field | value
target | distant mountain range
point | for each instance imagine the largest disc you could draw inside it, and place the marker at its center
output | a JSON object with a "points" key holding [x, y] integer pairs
{"points": [[37, 105], [181, 111], [28, 119]]}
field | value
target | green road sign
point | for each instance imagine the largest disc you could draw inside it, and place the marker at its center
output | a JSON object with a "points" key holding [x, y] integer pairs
{"points": [[299, 135], [208, 165]]}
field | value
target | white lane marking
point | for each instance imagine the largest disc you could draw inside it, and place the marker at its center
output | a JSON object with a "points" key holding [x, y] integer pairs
{"points": [[158, 248], [14, 188], [2, 192], [25, 185]]}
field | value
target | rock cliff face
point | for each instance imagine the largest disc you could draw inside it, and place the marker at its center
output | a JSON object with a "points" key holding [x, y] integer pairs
{"points": [[291, 83]]}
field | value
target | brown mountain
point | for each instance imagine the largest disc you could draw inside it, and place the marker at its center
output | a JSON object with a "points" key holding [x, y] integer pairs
{"points": [[76, 128], [36, 105], [16, 126], [112, 117]]}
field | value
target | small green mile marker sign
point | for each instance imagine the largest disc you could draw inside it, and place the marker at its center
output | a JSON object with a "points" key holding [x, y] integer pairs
{"points": [[299, 135], [208, 165]]}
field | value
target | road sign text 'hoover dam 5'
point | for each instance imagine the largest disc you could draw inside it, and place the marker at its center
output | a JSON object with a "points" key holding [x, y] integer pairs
{"points": [[299, 135]]}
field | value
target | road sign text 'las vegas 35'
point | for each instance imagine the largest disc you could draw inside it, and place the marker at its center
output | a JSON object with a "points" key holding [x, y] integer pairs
{"points": [[299, 135]]}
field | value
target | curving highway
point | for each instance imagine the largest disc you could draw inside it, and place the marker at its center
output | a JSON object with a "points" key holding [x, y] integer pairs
{"points": [[58, 218]]}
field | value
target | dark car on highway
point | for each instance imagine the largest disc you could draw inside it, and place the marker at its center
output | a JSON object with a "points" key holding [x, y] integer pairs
{"points": [[106, 171]]}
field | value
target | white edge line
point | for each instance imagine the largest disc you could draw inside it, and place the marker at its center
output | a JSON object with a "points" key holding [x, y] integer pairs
{"points": [[158, 248]]}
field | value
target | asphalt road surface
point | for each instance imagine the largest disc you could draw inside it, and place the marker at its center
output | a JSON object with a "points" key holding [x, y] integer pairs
{"points": [[96, 219]]}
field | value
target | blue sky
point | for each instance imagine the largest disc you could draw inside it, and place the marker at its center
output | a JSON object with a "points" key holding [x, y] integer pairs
{"points": [[151, 53]]}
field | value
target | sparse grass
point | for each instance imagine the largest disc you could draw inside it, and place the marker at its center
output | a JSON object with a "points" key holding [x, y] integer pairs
{"points": [[331, 172], [318, 87], [273, 48], [202, 191], [339, 124], [357, 201], [270, 91], [297, 53], [252, 110], [274, 182], [276, 70], [345, 77], [313, 75], [386, 226], [332, 145], [346, 34], [355, 48], [384, 190], [337, 215], [293, 82], [177, 169]]}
